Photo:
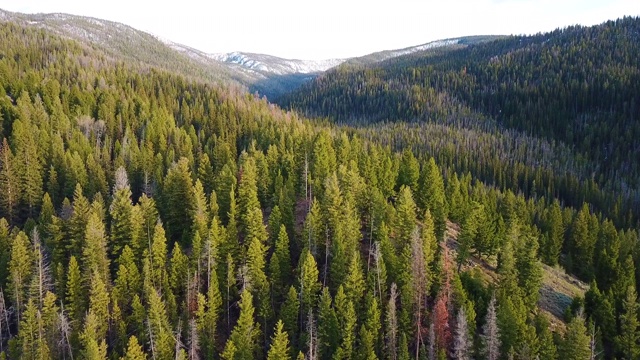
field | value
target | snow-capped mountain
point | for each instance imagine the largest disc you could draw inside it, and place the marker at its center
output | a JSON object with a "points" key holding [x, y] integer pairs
{"points": [[276, 65], [265, 74]]}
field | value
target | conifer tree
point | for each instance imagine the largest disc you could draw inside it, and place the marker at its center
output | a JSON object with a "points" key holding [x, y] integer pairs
{"points": [[30, 335], [629, 338], [200, 210], [94, 346], [134, 350], [20, 271], [246, 333], [391, 326], [75, 294], [406, 218], [205, 173], [408, 171], [279, 349], [159, 331], [309, 284], [99, 305], [462, 344], [94, 253], [78, 222], [280, 264], [354, 285], [576, 341], [178, 200], [9, 185], [289, 314], [328, 327], [491, 332], [430, 196], [122, 229]]}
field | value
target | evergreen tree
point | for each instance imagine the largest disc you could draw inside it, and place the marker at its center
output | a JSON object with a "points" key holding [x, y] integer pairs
{"points": [[279, 349], [280, 264], [430, 196], [9, 185], [122, 229], [246, 333], [94, 254], [309, 284], [408, 171], [75, 294], [94, 346], [328, 327], [134, 350], [629, 338], [159, 330], [178, 201], [289, 313], [576, 341], [20, 271]]}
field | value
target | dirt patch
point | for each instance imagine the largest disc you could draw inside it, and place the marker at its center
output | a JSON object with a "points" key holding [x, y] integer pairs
{"points": [[556, 292]]}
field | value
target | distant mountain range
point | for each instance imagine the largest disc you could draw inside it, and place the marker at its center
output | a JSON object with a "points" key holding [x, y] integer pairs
{"points": [[268, 75]]}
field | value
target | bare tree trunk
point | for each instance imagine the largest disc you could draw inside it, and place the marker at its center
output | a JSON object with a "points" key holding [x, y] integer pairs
{"points": [[392, 325]]}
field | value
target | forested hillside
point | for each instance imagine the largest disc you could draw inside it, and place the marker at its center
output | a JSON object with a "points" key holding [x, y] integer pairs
{"points": [[147, 216], [574, 88]]}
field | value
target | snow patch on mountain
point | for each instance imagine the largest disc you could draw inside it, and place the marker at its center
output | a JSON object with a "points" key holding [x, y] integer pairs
{"points": [[414, 49]]}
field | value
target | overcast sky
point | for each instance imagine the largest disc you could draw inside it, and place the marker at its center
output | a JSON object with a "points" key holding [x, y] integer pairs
{"points": [[332, 28]]}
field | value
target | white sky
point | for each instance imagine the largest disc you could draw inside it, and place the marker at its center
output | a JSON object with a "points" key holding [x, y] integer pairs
{"points": [[332, 28]]}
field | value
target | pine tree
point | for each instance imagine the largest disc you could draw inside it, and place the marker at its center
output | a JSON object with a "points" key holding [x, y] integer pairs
{"points": [[94, 346], [546, 346], [280, 264], [550, 251], [576, 341], [279, 344], [78, 222], [462, 344], [328, 328], [134, 350], [354, 285], [289, 313], [94, 252], [122, 228], [28, 165], [178, 201], [205, 173], [430, 196], [75, 294], [99, 305], [408, 171], [406, 217], [529, 270], [246, 333], [491, 332], [391, 328], [309, 284], [629, 338], [5, 250], [159, 330], [209, 309], [200, 210], [30, 335], [9, 185], [20, 271]]}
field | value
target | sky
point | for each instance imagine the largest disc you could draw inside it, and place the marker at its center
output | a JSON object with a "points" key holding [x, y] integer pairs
{"points": [[314, 30]]}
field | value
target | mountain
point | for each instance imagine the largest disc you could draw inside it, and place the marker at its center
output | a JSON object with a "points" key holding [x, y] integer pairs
{"points": [[268, 75], [576, 87], [420, 49], [146, 214]]}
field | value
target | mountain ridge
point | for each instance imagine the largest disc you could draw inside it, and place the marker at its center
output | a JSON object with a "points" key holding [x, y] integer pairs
{"points": [[265, 74]]}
